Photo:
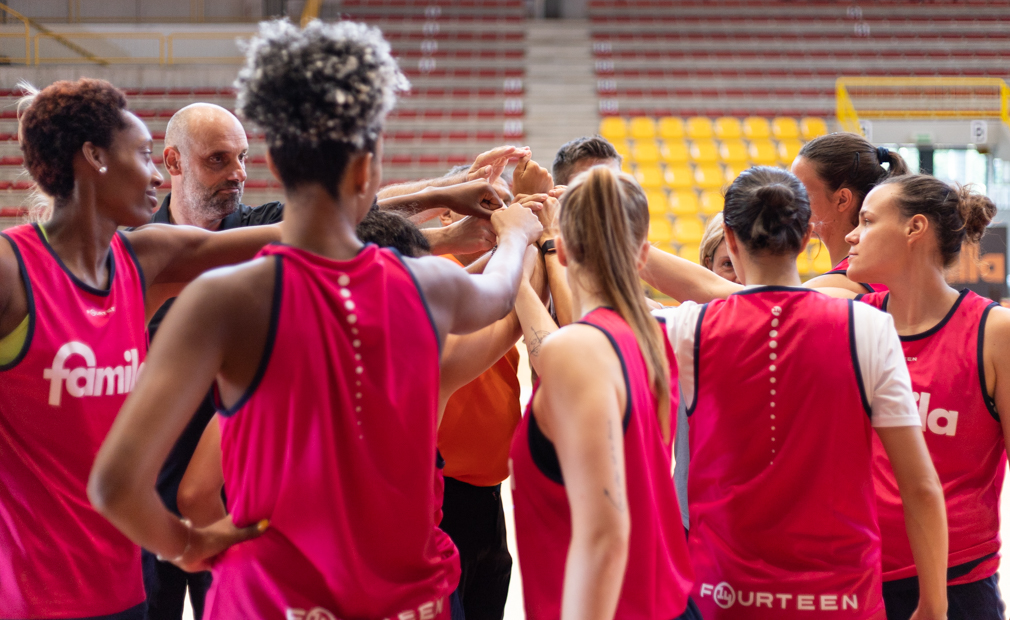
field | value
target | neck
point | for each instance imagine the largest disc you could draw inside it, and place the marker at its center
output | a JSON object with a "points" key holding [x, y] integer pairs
{"points": [[584, 299], [920, 298], [832, 235], [769, 271], [180, 211], [81, 236], [317, 222]]}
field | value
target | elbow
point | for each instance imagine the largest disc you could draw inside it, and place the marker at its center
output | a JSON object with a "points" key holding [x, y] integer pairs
{"points": [[108, 489], [609, 544]]}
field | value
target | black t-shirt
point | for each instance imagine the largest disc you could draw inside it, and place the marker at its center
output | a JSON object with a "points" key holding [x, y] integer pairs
{"points": [[178, 459]]}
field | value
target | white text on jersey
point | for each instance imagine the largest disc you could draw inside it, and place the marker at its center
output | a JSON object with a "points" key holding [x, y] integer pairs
{"points": [[90, 380], [939, 421]]}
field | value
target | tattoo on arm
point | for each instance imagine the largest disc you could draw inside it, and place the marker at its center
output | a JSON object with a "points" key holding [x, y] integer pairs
{"points": [[617, 503], [536, 340]]}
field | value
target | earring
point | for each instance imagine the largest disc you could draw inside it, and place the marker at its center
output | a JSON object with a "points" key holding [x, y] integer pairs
{"points": [[103, 170]]}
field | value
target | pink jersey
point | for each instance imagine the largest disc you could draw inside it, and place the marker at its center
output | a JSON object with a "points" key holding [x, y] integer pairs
{"points": [[964, 437], [842, 268], [783, 519], [658, 577], [59, 558], [334, 442]]}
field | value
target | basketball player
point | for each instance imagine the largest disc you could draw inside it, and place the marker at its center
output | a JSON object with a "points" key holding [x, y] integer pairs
{"points": [[327, 436], [591, 458], [839, 170], [910, 229], [72, 341], [783, 387]]}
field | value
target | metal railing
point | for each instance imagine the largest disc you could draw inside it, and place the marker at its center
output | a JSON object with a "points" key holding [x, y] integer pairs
{"points": [[27, 35], [926, 98], [168, 53]]}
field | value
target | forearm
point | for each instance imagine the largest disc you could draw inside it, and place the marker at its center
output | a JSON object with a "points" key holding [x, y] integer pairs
{"points": [[684, 280], [536, 322], [401, 189], [594, 573], [507, 266], [561, 294], [926, 524]]}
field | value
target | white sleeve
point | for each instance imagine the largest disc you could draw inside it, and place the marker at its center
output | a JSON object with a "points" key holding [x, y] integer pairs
{"points": [[881, 363], [681, 325]]}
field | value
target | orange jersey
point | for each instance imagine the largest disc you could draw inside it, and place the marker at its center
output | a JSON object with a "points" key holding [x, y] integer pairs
{"points": [[478, 424]]}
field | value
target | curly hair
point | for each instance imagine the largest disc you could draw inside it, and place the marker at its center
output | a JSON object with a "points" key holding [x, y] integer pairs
{"points": [[57, 123], [326, 83]]}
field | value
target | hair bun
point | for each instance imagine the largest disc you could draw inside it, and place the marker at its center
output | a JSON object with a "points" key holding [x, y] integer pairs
{"points": [[778, 200], [976, 210]]}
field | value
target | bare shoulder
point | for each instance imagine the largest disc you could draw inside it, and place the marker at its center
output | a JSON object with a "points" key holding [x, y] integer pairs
{"points": [[576, 351], [835, 281], [13, 295], [997, 327]]}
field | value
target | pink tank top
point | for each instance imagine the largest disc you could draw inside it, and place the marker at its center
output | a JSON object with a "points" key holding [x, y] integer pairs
{"points": [[783, 517], [59, 558], [658, 577], [964, 437], [842, 268], [334, 442]]}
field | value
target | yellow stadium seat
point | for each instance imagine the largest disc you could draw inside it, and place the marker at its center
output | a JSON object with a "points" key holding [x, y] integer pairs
{"points": [[788, 150], [675, 153], [728, 128], [691, 252], [733, 171], [704, 152], [679, 177], [699, 128], [734, 152], [658, 204], [711, 202], [756, 128], [622, 147], [709, 177], [821, 259], [613, 128], [812, 127], [785, 128], [660, 230], [642, 128], [670, 128], [684, 203], [645, 152], [763, 153], [627, 167], [688, 230], [649, 177]]}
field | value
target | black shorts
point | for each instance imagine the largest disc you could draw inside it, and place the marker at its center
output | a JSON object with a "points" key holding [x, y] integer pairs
{"points": [[978, 600], [691, 613]]}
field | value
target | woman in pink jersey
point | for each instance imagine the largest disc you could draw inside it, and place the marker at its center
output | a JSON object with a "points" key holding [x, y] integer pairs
{"points": [[595, 505], [73, 291], [324, 354], [838, 171], [910, 229], [784, 386]]}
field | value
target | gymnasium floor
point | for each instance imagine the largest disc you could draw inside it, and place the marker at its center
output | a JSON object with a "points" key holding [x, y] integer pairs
{"points": [[514, 607]]}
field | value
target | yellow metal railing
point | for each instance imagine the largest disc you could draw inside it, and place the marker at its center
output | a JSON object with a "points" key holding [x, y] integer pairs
{"points": [[167, 49], [27, 35], [920, 98]]}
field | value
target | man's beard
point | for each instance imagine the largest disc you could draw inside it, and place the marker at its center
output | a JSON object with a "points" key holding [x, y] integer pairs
{"points": [[209, 205]]}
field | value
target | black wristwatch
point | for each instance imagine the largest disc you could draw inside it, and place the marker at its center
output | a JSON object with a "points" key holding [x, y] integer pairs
{"points": [[547, 247]]}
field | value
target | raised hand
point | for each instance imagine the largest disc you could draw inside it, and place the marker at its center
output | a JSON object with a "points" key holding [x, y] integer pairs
{"points": [[516, 218], [530, 177], [490, 164], [470, 235]]}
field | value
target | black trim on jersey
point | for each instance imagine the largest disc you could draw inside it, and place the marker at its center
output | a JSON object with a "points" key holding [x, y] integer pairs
{"points": [[855, 358], [775, 288], [137, 612], [837, 272], [869, 289], [85, 287], [268, 346], [439, 461], [697, 358], [954, 572], [31, 307], [990, 404], [136, 261], [932, 330], [424, 300], [860, 296], [542, 451]]}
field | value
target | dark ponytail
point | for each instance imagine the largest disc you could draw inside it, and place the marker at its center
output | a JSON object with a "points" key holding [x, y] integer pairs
{"points": [[768, 210], [851, 161], [958, 213]]}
